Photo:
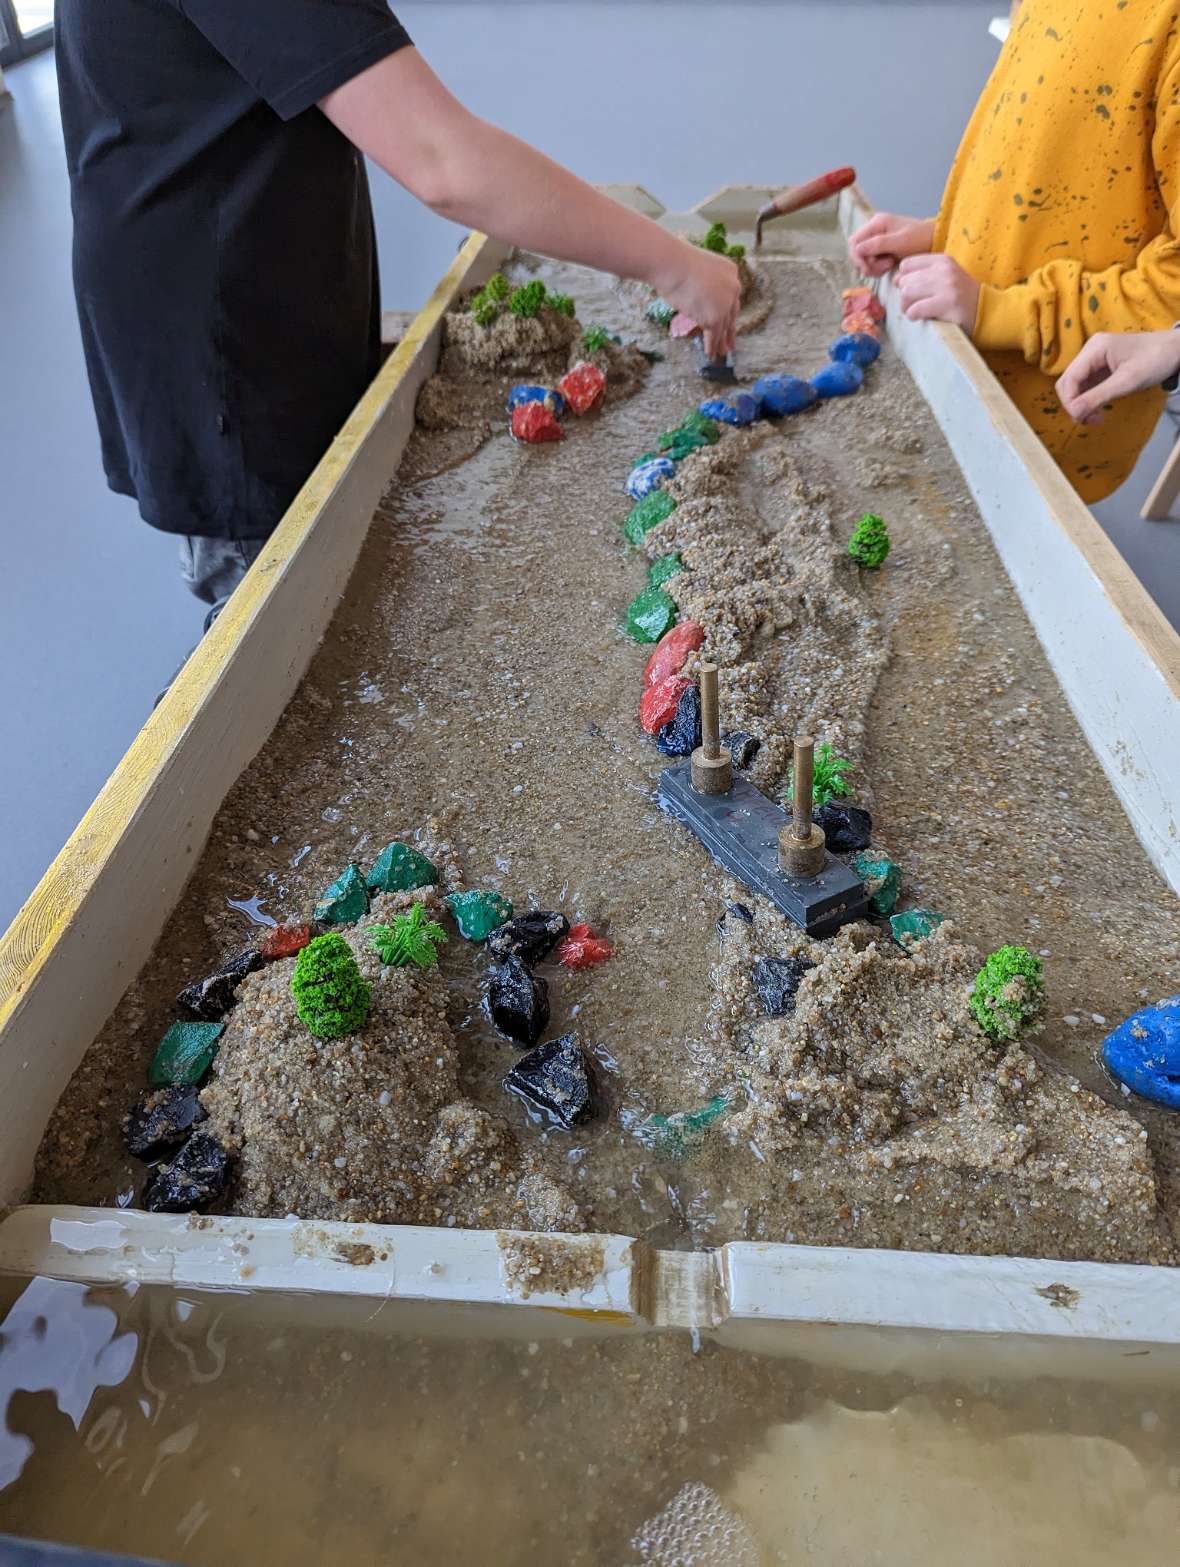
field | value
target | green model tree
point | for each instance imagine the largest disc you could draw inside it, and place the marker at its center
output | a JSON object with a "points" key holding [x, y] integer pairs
{"points": [[829, 777], [562, 303], [412, 938], [595, 339], [717, 240], [1008, 994], [331, 997], [527, 300], [870, 542], [497, 287]]}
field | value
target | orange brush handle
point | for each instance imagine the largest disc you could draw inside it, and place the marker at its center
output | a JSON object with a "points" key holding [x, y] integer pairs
{"points": [[800, 196]]}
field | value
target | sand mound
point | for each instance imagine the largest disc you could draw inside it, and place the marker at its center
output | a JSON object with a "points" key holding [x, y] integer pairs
{"points": [[373, 1126]]}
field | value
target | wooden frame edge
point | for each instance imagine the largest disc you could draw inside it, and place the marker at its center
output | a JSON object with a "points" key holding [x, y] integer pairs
{"points": [[77, 942]]}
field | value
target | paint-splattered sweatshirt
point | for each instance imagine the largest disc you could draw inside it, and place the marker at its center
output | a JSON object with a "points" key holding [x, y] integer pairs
{"points": [[1063, 202]]}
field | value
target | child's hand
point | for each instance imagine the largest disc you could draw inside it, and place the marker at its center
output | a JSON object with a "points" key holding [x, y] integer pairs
{"points": [[707, 288], [878, 245], [1113, 365], [935, 288]]}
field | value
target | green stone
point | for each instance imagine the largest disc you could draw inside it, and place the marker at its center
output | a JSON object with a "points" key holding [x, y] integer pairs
{"points": [[674, 1136], [646, 515], [399, 868], [663, 570], [649, 615], [702, 425], [477, 914], [661, 312], [185, 1053], [916, 923], [345, 901], [678, 444], [882, 879]]}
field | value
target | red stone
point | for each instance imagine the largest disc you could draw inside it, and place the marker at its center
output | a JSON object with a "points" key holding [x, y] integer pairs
{"points": [[683, 326], [660, 702], [534, 423], [582, 387], [862, 302], [672, 650], [285, 941], [582, 948], [866, 324]]}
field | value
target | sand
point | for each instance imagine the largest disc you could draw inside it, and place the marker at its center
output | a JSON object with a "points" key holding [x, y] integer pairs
{"points": [[474, 689]]}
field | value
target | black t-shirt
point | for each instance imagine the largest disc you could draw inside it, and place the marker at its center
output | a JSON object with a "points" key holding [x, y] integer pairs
{"points": [[224, 258]]}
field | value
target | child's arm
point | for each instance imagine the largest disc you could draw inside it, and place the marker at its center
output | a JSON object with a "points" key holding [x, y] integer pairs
{"points": [[401, 115], [1113, 365]]}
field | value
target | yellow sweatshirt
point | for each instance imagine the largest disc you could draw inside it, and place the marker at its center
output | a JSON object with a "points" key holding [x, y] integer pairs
{"points": [[1063, 201]]}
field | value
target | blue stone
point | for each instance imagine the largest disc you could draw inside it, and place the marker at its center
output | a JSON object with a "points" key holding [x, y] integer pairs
{"points": [[1144, 1053], [522, 394], [856, 348], [779, 395], [682, 735], [743, 410], [649, 476], [838, 379]]}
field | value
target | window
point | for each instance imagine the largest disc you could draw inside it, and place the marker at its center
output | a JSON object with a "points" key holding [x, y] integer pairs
{"points": [[25, 27]]}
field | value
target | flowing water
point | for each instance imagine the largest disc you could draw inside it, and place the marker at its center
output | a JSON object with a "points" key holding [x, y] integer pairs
{"points": [[233, 1428]]}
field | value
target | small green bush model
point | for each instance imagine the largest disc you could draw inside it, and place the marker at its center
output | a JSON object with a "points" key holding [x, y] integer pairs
{"points": [[330, 995], [527, 300], [1008, 994], [870, 542], [497, 287], [412, 938], [828, 780], [595, 339], [717, 241], [563, 304], [484, 309]]}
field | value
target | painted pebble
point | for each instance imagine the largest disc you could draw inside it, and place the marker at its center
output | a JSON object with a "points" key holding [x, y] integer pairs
{"points": [[780, 395], [646, 515], [398, 868], [346, 900], [478, 914], [672, 654], [1144, 1052], [743, 410], [519, 396], [534, 424], [648, 476], [838, 379], [583, 387], [659, 703], [856, 348], [649, 615]]}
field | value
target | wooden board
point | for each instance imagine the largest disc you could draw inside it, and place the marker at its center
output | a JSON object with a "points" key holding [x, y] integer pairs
{"points": [[1113, 651], [90, 924]]}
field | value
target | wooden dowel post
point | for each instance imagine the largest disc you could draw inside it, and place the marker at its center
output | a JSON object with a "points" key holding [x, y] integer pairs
{"points": [[802, 847], [712, 765]]}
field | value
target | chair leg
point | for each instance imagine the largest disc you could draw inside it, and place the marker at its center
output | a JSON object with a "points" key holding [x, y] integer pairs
{"points": [[1158, 505]]}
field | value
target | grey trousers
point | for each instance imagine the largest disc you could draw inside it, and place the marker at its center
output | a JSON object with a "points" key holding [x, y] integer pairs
{"points": [[212, 568]]}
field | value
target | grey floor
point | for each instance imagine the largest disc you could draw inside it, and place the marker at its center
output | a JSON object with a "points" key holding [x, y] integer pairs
{"points": [[681, 96]]}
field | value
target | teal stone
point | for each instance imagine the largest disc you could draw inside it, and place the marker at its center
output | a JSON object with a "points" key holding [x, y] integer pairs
{"points": [[345, 901], [399, 868], [649, 615], [646, 515], [185, 1053], [882, 879], [675, 1136], [916, 923], [478, 914], [663, 570], [661, 312], [678, 444]]}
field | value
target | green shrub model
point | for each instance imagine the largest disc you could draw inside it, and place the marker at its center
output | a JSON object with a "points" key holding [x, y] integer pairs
{"points": [[870, 542], [411, 939], [331, 997], [829, 779], [1008, 994]]}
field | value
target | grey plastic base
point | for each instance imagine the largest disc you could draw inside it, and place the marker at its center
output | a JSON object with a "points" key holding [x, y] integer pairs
{"points": [[740, 830]]}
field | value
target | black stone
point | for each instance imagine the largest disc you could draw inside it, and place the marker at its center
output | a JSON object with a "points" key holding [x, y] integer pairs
{"points": [[162, 1119], [682, 736], [517, 1001], [743, 748], [212, 998], [197, 1176], [777, 980], [846, 827], [555, 1079], [737, 911], [530, 936]]}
